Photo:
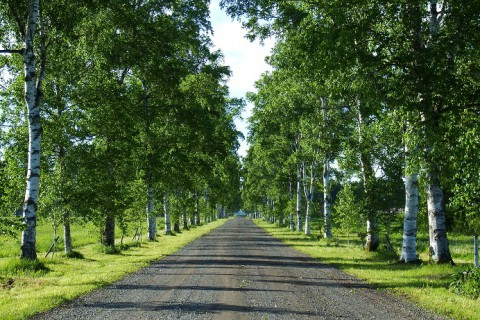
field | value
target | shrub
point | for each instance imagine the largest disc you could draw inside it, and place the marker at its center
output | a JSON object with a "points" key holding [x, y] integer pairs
{"points": [[467, 282], [75, 255]]}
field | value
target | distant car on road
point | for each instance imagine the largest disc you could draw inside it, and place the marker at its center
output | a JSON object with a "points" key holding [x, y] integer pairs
{"points": [[241, 213]]}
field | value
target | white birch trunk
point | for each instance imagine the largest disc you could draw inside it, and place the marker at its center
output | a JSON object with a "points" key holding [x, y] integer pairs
{"points": [[32, 99], [67, 236], [439, 248], [197, 209], [372, 241], [309, 197], [168, 226], [192, 216], [299, 197], [151, 219], [327, 201], [184, 218], [475, 251], [290, 216], [307, 218], [205, 206], [409, 251]]}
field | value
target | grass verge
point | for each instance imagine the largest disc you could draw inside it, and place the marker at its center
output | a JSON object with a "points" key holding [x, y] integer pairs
{"points": [[424, 284], [26, 290]]}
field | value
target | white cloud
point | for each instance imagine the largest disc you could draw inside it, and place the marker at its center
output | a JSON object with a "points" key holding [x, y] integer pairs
{"points": [[246, 59]]}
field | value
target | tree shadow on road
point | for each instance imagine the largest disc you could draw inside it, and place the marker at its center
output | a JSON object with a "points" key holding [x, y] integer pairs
{"points": [[200, 308]]}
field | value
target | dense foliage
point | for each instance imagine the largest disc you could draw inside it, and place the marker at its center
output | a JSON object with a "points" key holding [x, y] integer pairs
{"points": [[128, 107], [369, 93], [467, 282]]}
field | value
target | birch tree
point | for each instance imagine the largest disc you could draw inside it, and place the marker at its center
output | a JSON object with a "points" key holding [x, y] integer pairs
{"points": [[444, 49], [409, 250], [166, 211], [28, 37]]}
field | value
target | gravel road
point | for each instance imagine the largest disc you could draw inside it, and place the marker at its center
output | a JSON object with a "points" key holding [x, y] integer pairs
{"points": [[238, 271]]}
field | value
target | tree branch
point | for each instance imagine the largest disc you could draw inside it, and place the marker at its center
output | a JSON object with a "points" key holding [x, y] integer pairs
{"points": [[9, 51], [18, 20]]}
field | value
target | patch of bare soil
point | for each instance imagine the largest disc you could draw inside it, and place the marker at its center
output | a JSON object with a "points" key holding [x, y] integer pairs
{"points": [[238, 271]]}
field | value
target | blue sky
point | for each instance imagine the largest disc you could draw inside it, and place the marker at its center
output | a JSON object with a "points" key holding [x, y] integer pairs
{"points": [[246, 59]]}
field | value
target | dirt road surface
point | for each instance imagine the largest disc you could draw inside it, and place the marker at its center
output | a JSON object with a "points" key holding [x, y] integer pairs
{"points": [[238, 271]]}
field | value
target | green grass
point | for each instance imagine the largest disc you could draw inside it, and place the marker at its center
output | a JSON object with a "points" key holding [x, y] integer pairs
{"points": [[82, 234], [425, 284], [28, 289]]}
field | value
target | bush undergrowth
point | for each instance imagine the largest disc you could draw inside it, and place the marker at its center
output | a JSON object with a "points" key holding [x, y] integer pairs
{"points": [[74, 255], [467, 282]]}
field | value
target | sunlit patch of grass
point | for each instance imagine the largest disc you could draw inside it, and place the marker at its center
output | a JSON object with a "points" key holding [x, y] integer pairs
{"points": [[25, 294], [424, 283], [82, 234], [100, 248]]}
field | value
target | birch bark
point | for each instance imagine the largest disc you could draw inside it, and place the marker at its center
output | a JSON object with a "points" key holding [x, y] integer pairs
{"points": [[67, 236], [309, 197], [299, 197], [327, 201], [409, 251], [151, 219], [290, 216], [108, 238], [439, 247], [32, 99], [372, 241], [327, 198], [197, 209], [168, 225], [184, 218]]}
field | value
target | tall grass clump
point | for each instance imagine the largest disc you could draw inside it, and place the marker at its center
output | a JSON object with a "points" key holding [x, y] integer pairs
{"points": [[22, 267]]}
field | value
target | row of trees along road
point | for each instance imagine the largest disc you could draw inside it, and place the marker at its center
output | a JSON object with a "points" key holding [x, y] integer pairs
{"points": [[381, 97], [128, 107]]}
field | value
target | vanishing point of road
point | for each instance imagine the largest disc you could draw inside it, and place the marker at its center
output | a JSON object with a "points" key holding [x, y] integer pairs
{"points": [[238, 271]]}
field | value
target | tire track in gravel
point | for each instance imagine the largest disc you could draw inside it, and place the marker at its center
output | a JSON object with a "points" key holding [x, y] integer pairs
{"points": [[238, 271]]}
